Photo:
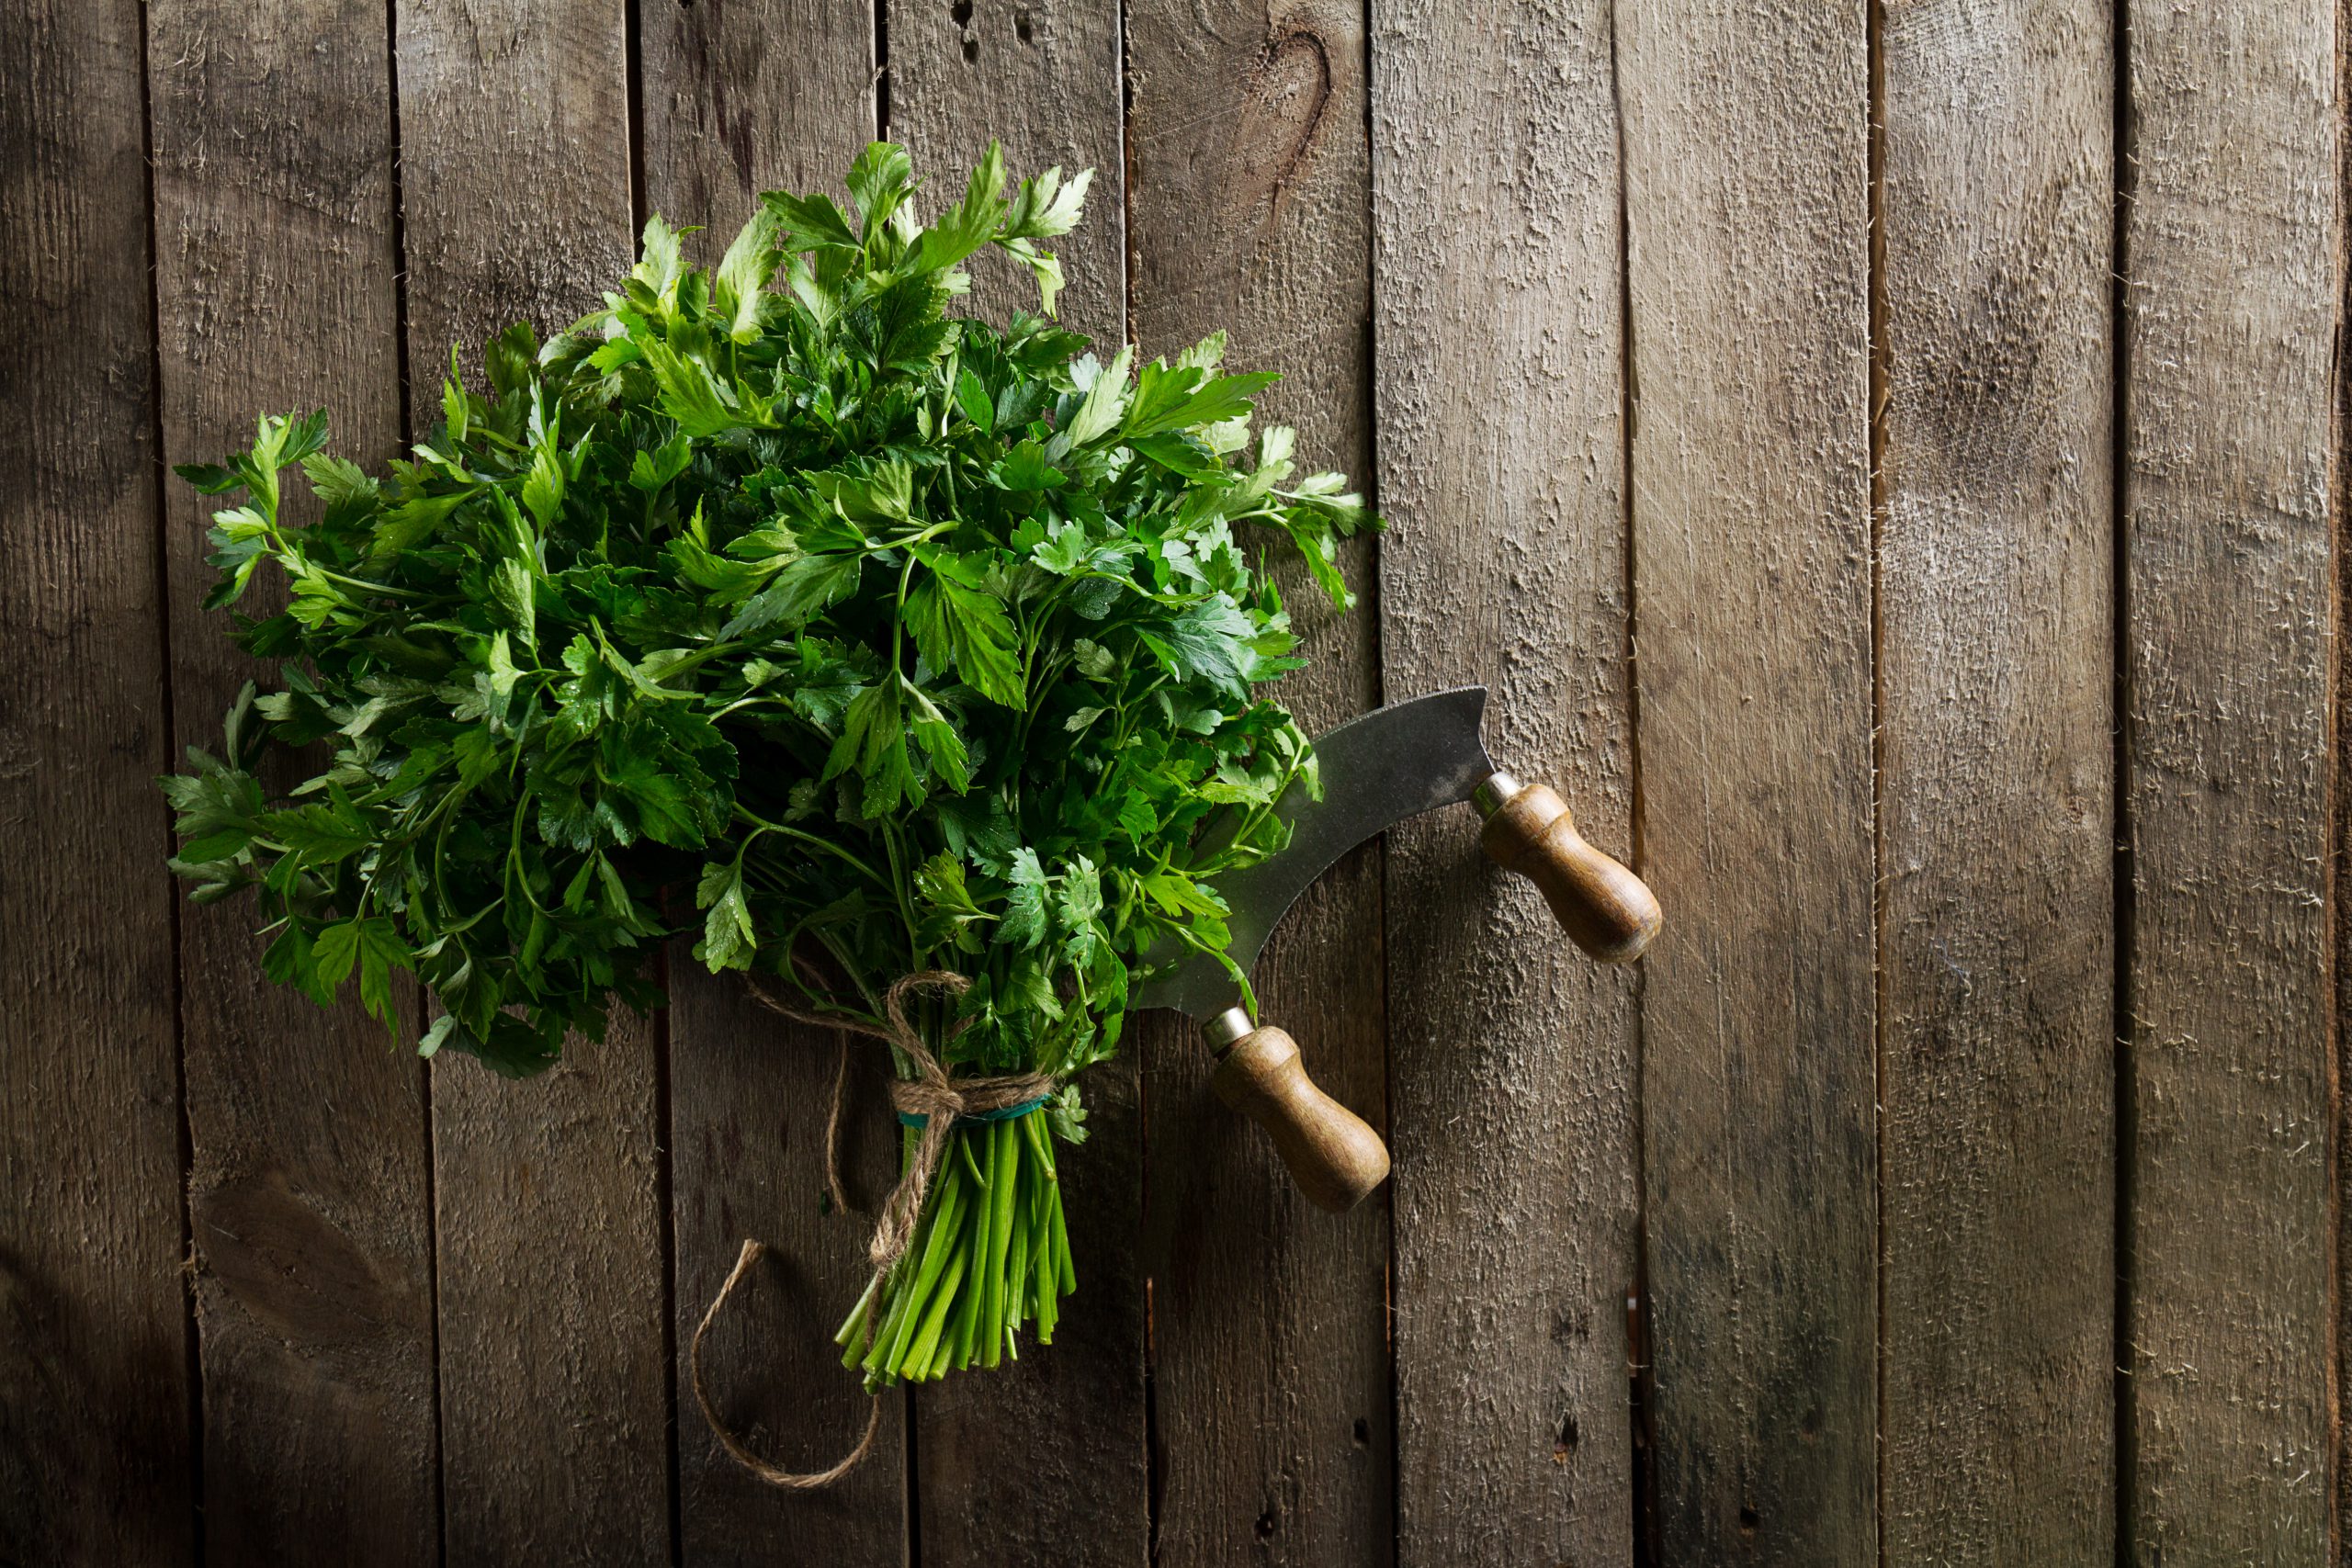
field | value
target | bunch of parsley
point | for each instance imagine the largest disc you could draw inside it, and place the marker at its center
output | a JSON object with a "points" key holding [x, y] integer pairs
{"points": [[776, 603]]}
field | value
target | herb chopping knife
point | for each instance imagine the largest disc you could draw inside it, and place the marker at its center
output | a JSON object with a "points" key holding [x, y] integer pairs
{"points": [[1377, 770]]}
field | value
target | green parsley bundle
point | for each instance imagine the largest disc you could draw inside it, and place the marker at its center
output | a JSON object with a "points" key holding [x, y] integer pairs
{"points": [[775, 603]]}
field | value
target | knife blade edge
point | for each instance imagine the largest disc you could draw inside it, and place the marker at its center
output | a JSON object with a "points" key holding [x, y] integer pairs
{"points": [[1377, 769]]}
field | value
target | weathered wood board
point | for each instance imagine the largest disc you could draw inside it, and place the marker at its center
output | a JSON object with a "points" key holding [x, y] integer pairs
{"points": [[1512, 1057], [556, 1394], [726, 114], [275, 290], [1748, 222], [1996, 645], [1885, 462], [2233, 253], [1269, 1342], [98, 1385]]}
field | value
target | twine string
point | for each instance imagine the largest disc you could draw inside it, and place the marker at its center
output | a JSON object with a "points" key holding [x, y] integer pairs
{"points": [[939, 1100], [740, 1452]]}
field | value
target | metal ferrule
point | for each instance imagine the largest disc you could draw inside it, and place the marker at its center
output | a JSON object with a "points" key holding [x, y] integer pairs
{"points": [[1496, 793], [1227, 1027]]}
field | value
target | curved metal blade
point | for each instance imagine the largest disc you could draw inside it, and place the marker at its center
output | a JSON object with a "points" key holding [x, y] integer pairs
{"points": [[1377, 769]]}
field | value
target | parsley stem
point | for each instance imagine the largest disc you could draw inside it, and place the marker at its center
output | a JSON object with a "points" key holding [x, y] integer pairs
{"points": [[1016, 1261], [898, 616], [1004, 1169], [386, 589], [856, 977], [764, 826], [969, 1311], [898, 886], [948, 1206], [857, 1318]]}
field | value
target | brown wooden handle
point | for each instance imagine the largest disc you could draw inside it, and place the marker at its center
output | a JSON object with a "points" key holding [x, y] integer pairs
{"points": [[1609, 911], [1336, 1159]]}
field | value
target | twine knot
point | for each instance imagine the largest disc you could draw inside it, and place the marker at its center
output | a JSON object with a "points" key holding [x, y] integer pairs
{"points": [[931, 1094]]}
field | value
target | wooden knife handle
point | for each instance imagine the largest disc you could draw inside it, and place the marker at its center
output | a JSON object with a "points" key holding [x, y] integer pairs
{"points": [[1609, 911], [1336, 1159]]}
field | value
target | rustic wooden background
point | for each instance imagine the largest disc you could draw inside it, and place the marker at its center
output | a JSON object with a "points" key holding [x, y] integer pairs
{"points": [[1885, 458]]}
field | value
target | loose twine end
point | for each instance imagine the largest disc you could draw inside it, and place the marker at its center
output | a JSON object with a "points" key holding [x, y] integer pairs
{"points": [[737, 1449], [931, 1094]]}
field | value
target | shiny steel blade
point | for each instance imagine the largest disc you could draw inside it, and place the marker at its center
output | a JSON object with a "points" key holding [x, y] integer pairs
{"points": [[1377, 769]]}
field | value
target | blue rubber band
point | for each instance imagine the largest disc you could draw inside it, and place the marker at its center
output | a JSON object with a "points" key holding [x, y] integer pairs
{"points": [[1002, 1113]]}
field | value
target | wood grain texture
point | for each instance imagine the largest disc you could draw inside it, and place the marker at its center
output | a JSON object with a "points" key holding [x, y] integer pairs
{"points": [[275, 288], [515, 181], [1269, 1363], [1746, 185], [1044, 1460], [1511, 1054], [1869, 1337], [554, 1380], [95, 1411], [749, 1094], [741, 99], [2340, 803], [1997, 813], [2233, 250], [555, 1372]]}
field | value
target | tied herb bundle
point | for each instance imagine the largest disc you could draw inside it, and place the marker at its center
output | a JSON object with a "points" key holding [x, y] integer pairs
{"points": [[773, 604]]}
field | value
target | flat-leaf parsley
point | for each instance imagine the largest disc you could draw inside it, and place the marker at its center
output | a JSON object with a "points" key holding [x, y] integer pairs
{"points": [[775, 605]]}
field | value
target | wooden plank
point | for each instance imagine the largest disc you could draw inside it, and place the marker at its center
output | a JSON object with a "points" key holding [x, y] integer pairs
{"points": [[1044, 1460], [555, 1370], [2233, 249], [1499, 330], [749, 1099], [1268, 1331], [729, 115], [94, 1426], [1747, 209], [275, 283], [1997, 721]]}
